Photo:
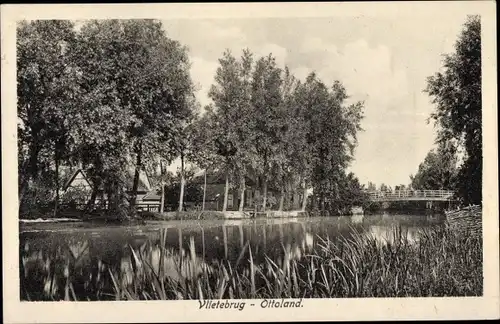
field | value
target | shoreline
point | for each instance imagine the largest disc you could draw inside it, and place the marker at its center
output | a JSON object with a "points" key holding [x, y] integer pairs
{"points": [[213, 215]]}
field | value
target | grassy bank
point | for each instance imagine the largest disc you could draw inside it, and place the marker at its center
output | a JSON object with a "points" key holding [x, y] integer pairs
{"points": [[213, 215], [441, 263], [102, 216]]}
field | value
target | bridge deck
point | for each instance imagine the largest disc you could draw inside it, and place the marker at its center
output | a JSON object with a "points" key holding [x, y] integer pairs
{"points": [[412, 195]]}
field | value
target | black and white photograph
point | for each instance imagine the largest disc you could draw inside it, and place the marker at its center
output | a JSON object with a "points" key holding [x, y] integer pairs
{"points": [[236, 164]]}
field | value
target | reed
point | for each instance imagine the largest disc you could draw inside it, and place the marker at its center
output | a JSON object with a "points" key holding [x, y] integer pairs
{"points": [[441, 263]]}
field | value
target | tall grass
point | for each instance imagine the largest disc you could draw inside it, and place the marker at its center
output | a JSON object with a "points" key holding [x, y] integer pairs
{"points": [[440, 263]]}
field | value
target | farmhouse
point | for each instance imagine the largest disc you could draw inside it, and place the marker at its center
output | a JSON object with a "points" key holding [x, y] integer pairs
{"points": [[214, 198], [78, 190]]}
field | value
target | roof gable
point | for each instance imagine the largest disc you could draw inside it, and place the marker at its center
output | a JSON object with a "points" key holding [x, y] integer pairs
{"points": [[73, 177]]}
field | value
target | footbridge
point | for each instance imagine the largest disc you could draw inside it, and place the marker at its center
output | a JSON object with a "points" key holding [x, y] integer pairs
{"points": [[411, 195]]}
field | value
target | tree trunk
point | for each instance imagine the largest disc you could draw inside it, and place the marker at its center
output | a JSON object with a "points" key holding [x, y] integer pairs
{"points": [[242, 194], [115, 196], [304, 199], [264, 195], [24, 178], [56, 205], [162, 201], [181, 196], [282, 200], [111, 203], [162, 184], [22, 191], [204, 191], [135, 186], [226, 192], [120, 197], [31, 171], [264, 184], [33, 164], [91, 202], [322, 202], [224, 238]]}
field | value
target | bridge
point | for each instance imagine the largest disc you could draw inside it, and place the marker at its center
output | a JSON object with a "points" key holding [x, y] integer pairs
{"points": [[411, 195]]}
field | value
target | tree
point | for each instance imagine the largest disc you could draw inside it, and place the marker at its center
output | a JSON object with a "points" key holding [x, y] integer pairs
{"points": [[331, 138], [301, 152], [438, 171], [136, 87], [45, 89], [177, 184], [203, 153], [384, 187], [227, 117], [160, 177], [244, 159], [266, 100], [456, 92], [353, 194], [284, 171], [186, 149]]}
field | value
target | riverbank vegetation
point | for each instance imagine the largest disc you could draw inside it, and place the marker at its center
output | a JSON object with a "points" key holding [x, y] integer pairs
{"points": [[439, 263], [456, 92]]}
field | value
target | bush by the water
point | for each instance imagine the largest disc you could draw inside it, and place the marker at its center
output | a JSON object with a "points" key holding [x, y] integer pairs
{"points": [[440, 263]]}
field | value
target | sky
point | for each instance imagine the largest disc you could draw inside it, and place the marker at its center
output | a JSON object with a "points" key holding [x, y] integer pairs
{"points": [[384, 62]]}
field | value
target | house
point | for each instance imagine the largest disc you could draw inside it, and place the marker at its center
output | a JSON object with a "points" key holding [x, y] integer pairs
{"points": [[214, 196], [78, 189]]}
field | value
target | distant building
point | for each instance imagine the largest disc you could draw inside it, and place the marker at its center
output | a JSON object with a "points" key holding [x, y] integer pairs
{"points": [[78, 189], [214, 196]]}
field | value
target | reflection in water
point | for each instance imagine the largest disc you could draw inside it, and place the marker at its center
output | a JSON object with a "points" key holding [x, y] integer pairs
{"points": [[180, 250], [357, 219], [385, 234], [176, 266]]}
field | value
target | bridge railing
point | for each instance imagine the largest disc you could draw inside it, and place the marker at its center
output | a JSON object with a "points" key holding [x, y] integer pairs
{"points": [[399, 194]]}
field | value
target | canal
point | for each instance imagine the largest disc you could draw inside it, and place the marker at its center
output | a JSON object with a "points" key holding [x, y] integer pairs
{"points": [[53, 249]]}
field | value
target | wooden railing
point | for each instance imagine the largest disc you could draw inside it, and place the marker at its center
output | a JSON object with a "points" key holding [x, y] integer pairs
{"points": [[141, 206], [443, 195]]}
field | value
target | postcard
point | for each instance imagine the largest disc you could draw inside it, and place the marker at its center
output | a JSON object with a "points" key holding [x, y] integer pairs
{"points": [[249, 162]]}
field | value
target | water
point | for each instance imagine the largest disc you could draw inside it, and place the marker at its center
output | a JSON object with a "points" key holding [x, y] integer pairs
{"points": [[56, 248]]}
